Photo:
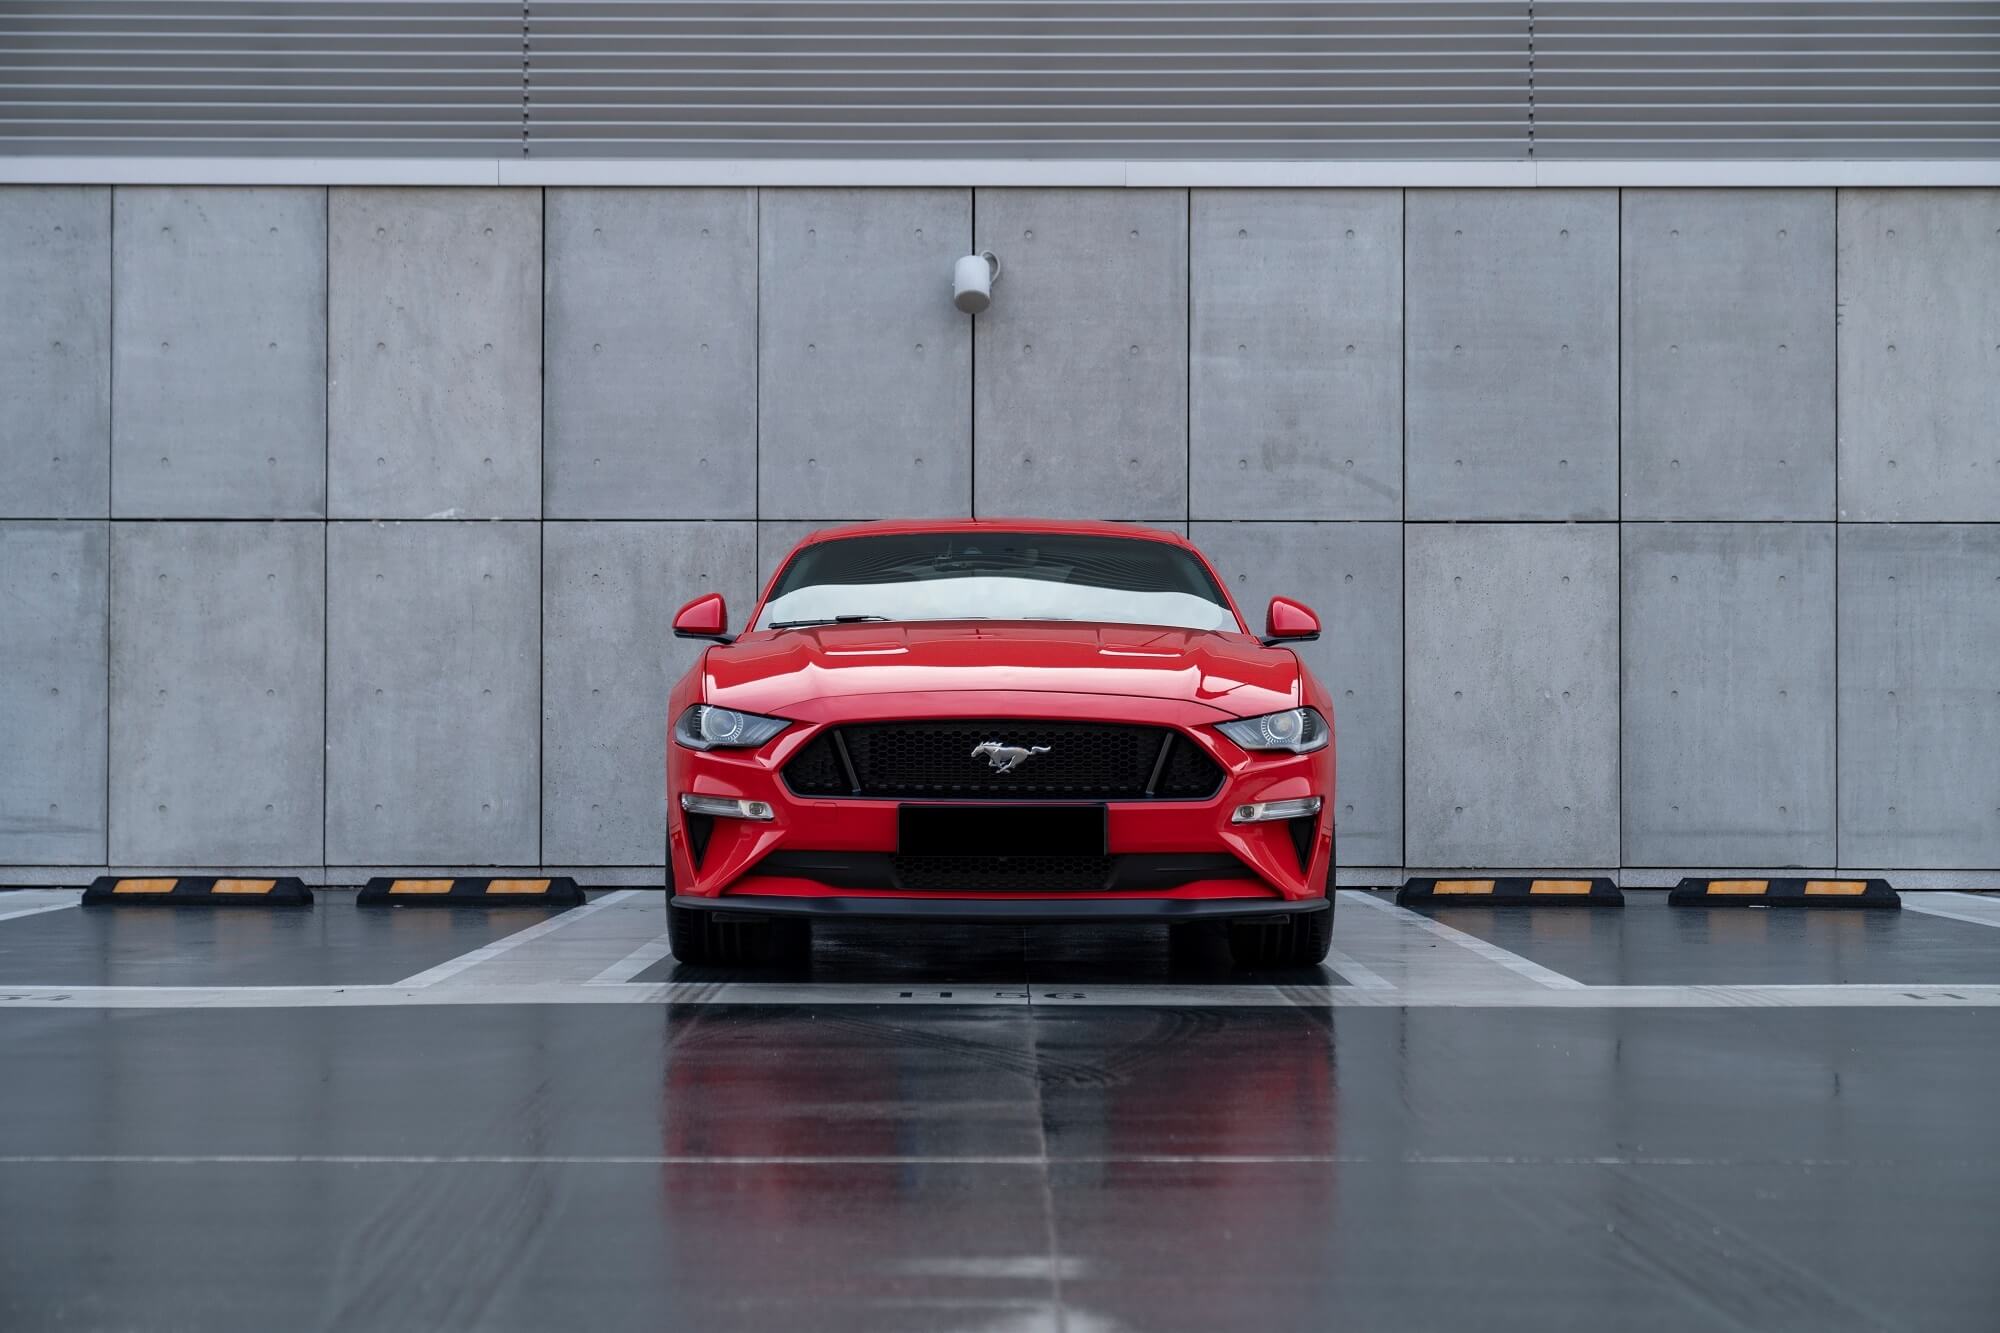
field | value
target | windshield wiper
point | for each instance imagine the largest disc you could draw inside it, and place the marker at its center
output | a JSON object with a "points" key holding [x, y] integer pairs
{"points": [[824, 620]]}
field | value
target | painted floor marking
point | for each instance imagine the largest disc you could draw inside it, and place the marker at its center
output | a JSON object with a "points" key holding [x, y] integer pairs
{"points": [[1492, 953], [49, 901], [447, 970], [1035, 1161], [1357, 973], [632, 964], [1977, 909], [1873, 996]]}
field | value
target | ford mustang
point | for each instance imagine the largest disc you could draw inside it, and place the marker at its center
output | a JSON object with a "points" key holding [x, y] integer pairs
{"points": [[998, 721]]}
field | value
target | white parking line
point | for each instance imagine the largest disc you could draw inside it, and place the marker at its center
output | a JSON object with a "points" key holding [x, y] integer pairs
{"points": [[1357, 973], [1974, 908], [632, 964], [37, 911], [1916, 995], [1492, 953], [447, 970]]}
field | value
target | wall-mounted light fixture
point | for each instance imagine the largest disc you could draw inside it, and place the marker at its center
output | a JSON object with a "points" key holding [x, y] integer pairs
{"points": [[972, 279]]}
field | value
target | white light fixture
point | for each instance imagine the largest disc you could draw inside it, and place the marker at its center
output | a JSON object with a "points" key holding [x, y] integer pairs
{"points": [[972, 279]]}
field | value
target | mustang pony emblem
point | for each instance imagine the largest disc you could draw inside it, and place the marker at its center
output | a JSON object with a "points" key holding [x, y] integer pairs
{"points": [[1006, 758]]}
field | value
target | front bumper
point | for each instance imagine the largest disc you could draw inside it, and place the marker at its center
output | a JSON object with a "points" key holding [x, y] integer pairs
{"points": [[1004, 911], [804, 859]]}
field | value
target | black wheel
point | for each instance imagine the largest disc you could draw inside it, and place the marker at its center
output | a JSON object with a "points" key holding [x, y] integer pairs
{"points": [[687, 932], [1298, 940], [699, 938]]}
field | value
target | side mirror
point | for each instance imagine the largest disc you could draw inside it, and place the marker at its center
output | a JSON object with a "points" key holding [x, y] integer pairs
{"points": [[1289, 621], [706, 617]]}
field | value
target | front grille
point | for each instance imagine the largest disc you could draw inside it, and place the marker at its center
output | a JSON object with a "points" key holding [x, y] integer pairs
{"points": [[1068, 761], [965, 874]]}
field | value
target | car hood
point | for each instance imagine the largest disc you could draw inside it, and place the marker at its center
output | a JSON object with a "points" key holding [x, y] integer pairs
{"points": [[772, 671]]}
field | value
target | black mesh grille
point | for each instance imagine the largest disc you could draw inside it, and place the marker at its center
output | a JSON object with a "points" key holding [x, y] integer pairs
{"points": [[1188, 773], [1067, 760], [1050, 874], [815, 770]]}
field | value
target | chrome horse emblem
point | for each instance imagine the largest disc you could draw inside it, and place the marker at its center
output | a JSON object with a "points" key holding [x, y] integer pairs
{"points": [[1006, 758]]}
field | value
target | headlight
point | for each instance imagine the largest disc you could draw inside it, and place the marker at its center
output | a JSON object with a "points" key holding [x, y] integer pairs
{"points": [[707, 727], [1300, 730]]}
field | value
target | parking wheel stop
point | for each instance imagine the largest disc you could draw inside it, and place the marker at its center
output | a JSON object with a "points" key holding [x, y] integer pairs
{"points": [[197, 891], [556, 891], [1519, 892], [1813, 893]]}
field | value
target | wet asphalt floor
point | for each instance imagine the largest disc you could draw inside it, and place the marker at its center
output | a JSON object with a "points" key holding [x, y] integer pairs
{"points": [[990, 1128]]}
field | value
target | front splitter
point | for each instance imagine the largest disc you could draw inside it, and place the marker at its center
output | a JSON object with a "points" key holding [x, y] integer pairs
{"points": [[1005, 910]]}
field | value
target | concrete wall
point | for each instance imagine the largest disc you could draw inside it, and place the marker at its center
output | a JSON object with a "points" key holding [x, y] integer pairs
{"points": [[1654, 529]]}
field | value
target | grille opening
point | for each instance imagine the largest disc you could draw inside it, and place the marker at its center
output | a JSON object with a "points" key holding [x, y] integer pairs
{"points": [[1067, 761], [699, 829], [1302, 830], [1028, 873], [967, 873]]}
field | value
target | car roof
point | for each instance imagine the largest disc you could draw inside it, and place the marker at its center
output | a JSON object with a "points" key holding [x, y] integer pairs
{"points": [[1078, 526]]}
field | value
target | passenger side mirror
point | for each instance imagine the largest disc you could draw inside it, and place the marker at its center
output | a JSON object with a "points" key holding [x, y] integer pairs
{"points": [[706, 617], [1289, 621]]}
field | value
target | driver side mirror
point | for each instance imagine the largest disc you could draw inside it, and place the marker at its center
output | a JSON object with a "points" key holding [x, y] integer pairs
{"points": [[706, 617], [1289, 621]]}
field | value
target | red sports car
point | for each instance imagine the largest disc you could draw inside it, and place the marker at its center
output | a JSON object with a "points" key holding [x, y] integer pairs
{"points": [[1001, 720]]}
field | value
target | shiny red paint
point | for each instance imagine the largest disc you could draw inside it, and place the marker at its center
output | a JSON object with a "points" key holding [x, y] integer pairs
{"points": [[827, 675], [706, 617], [1287, 619]]}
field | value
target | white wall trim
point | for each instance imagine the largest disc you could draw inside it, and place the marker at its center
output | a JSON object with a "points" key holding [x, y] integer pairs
{"points": [[90, 170]]}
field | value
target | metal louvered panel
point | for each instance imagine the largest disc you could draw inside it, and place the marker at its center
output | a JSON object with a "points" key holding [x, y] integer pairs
{"points": [[293, 77], [1809, 78], [1135, 81], [1029, 78]]}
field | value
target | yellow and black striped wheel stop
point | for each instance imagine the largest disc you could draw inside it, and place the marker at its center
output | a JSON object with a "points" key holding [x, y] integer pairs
{"points": [[543, 891], [1552, 891], [197, 891], [1817, 893]]}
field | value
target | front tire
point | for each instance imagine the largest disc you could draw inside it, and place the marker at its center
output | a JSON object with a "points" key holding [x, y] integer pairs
{"points": [[699, 939], [1299, 940]]}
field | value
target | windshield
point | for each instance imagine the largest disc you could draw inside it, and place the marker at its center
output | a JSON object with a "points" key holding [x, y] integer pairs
{"points": [[996, 576]]}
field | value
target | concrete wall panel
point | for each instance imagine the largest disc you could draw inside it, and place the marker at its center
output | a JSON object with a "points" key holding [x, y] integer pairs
{"points": [[651, 342], [52, 692], [219, 373], [433, 727], [1920, 355], [217, 695], [1295, 403], [1727, 713], [1352, 574], [1512, 681], [55, 352], [1919, 696], [609, 657], [1728, 363], [866, 368], [434, 392], [1080, 401], [1512, 391]]}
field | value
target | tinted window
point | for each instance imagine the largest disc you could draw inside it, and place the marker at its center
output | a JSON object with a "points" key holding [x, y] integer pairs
{"points": [[997, 576]]}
